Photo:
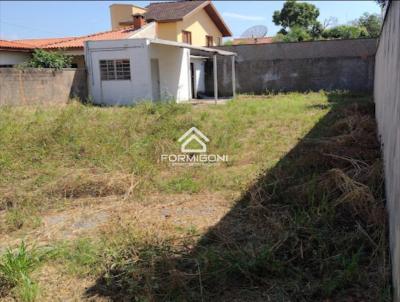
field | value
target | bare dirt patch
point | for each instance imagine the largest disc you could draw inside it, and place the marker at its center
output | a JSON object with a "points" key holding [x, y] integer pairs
{"points": [[181, 210]]}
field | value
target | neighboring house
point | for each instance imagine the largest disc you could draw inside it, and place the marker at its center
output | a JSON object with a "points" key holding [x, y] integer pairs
{"points": [[13, 53], [244, 41], [193, 22]]}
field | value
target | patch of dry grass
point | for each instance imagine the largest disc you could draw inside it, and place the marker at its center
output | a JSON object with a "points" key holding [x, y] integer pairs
{"points": [[312, 228], [296, 215]]}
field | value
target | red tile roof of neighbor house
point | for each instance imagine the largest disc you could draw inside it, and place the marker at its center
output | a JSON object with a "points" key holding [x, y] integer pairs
{"points": [[108, 35], [76, 42], [14, 45], [42, 42]]}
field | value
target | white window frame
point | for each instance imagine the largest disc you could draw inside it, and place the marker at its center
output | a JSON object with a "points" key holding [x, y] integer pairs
{"points": [[115, 70]]}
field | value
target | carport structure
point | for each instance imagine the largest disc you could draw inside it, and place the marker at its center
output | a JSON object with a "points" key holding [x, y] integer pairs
{"points": [[205, 53], [123, 72]]}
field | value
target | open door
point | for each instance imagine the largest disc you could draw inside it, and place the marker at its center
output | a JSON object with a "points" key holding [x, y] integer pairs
{"points": [[155, 79]]}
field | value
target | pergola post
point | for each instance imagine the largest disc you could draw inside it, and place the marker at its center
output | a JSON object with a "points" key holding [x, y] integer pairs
{"points": [[233, 77], [215, 78]]}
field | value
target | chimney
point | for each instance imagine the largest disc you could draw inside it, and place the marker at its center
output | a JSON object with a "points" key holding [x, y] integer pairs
{"points": [[138, 21]]}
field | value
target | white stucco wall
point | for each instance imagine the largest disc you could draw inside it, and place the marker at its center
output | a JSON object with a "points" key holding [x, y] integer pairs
{"points": [[148, 31], [13, 57], [387, 100], [174, 71], [119, 92]]}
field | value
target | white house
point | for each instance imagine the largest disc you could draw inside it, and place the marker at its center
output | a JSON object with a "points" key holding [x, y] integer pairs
{"points": [[123, 72], [13, 53]]}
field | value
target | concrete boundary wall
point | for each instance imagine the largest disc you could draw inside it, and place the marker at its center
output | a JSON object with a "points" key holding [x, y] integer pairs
{"points": [[34, 86], [387, 100], [302, 66]]}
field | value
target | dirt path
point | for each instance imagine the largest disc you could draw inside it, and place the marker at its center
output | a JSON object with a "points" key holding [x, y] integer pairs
{"points": [[89, 216]]}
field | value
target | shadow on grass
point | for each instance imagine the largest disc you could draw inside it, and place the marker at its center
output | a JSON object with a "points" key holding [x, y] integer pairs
{"points": [[312, 228]]}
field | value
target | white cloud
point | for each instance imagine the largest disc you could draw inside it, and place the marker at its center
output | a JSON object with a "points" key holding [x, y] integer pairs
{"points": [[243, 17]]}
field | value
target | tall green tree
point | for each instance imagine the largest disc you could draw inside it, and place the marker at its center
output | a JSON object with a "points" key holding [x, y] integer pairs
{"points": [[371, 22], [296, 14]]}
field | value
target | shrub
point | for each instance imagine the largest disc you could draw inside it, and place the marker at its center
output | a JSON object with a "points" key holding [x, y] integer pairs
{"points": [[345, 32], [296, 34], [47, 59]]}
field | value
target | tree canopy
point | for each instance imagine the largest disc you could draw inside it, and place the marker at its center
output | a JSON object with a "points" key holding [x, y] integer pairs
{"points": [[345, 32], [296, 14], [371, 22], [299, 23]]}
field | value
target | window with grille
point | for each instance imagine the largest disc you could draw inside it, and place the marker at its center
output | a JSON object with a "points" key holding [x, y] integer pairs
{"points": [[209, 41], [186, 37], [115, 70]]}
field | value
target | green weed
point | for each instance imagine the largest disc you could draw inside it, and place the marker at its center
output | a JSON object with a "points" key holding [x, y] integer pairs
{"points": [[15, 269]]}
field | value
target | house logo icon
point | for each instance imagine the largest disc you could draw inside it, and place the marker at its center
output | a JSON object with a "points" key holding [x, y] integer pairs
{"points": [[193, 134]]}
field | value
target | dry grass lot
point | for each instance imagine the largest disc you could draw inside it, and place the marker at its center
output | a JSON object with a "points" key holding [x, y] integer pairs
{"points": [[88, 212]]}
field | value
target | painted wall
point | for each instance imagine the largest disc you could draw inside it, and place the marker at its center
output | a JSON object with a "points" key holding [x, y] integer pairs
{"points": [[168, 31], [387, 100], [302, 66], [41, 86], [200, 25], [13, 57], [119, 92], [123, 13], [174, 71], [147, 31]]}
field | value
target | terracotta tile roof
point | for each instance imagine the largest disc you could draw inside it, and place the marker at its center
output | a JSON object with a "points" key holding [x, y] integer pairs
{"points": [[15, 45], [108, 35], [168, 11], [42, 42], [77, 42]]}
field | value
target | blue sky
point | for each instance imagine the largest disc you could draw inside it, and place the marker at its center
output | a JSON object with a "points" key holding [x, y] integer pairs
{"points": [[25, 19]]}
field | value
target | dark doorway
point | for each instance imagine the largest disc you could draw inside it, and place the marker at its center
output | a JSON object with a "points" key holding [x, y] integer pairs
{"points": [[192, 80]]}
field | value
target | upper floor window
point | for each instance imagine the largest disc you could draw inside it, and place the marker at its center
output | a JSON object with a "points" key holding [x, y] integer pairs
{"points": [[186, 37], [115, 70], [209, 41]]}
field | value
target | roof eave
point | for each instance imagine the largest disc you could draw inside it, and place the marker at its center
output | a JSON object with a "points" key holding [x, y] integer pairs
{"points": [[218, 20], [16, 49], [189, 46]]}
